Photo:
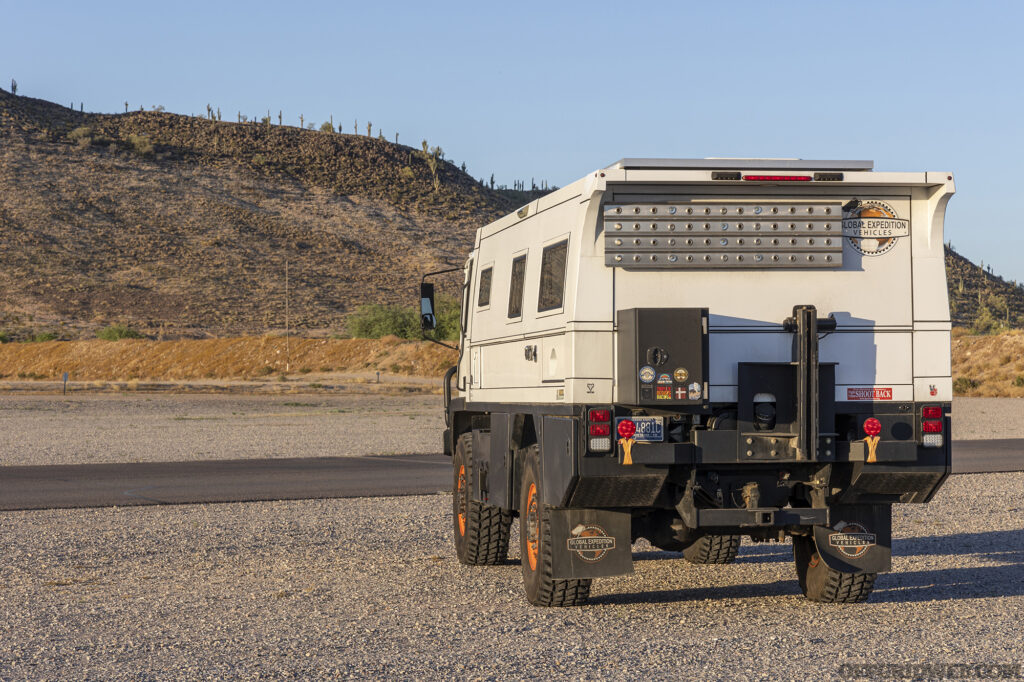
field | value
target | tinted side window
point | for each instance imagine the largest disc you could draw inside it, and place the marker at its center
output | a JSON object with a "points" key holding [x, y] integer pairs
{"points": [[484, 298], [552, 276], [515, 289]]}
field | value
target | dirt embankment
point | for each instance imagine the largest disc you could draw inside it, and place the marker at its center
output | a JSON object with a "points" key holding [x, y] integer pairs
{"points": [[983, 366], [234, 358]]}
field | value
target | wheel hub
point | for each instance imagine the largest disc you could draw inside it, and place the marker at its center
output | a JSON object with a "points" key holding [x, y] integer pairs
{"points": [[532, 527]]}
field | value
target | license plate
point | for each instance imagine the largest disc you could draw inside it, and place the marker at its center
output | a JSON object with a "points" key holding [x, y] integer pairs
{"points": [[648, 429]]}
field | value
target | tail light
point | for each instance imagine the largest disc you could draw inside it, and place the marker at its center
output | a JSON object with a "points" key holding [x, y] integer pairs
{"points": [[932, 426], [778, 178], [872, 427], [627, 427], [599, 429]]}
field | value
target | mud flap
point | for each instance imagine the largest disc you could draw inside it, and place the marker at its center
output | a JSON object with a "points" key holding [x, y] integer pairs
{"points": [[590, 543], [860, 539]]}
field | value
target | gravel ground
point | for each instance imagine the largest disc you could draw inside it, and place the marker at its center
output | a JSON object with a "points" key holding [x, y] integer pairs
{"points": [[371, 588], [84, 428], [986, 418]]}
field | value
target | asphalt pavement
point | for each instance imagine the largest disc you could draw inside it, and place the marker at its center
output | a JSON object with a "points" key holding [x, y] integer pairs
{"points": [[233, 480], [305, 478], [988, 456]]}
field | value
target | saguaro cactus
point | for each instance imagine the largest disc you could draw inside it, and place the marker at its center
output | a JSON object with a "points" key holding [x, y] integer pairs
{"points": [[14, 87], [432, 156]]}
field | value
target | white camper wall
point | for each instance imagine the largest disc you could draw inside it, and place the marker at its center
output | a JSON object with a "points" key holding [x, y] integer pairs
{"points": [[932, 362], [504, 372], [892, 308]]}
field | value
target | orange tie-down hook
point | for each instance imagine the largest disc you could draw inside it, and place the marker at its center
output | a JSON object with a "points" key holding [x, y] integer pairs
{"points": [[872, 428], [627, 447]]}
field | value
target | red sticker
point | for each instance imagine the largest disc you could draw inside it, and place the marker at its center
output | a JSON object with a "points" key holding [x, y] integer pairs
{"points": [[869, 394]]}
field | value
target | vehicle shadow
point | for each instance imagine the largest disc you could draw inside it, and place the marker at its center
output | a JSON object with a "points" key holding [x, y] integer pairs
{"points": [[779, 588], [1001, 574]]}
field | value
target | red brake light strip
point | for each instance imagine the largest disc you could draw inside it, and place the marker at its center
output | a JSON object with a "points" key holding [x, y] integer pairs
{"points": [[778, 178]]}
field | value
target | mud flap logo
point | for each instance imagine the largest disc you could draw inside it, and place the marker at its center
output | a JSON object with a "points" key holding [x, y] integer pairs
{"points": [[591, 543], [872, 227], [851, 539]]}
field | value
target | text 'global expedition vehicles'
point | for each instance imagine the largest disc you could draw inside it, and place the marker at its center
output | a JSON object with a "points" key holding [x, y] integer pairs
{"points": [[691, 351]]}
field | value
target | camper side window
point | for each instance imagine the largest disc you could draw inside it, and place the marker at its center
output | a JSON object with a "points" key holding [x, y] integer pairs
{"points": [[515, 289], [552, 276], [484, 297]]}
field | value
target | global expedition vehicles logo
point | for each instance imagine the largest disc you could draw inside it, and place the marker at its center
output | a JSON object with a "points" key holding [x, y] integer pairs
{"points": [[872, 227]]}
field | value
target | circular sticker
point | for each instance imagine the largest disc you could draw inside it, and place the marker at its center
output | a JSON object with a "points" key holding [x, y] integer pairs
{"points": [[851, 539], [590, 542], [873, 227], [647, 374], [681, 375]]}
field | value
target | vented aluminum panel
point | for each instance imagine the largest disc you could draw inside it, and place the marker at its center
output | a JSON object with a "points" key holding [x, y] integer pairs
{"points": [[724, 234]]}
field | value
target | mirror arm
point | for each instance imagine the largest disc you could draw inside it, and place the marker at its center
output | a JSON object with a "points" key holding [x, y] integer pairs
{"points": [[438, 272], [440, 343]]}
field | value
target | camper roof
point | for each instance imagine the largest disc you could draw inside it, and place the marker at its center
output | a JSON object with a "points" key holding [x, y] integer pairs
{"points": [[742, 164]]}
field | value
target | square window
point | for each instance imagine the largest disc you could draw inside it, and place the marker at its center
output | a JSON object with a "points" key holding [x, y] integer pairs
{"points": [[515, 289], [552, 276], [484, 297]]}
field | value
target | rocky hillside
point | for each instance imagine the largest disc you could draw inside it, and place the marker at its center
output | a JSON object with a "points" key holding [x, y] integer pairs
{"points": [[186, 226], [981, 299], [181, 225]]}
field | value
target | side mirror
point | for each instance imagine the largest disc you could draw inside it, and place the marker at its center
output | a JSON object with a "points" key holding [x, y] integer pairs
{"points": [[428, 320]]}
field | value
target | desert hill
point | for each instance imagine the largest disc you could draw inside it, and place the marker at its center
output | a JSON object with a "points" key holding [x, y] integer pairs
{"points": [[177, 224], [185, 226], [981, 299]]}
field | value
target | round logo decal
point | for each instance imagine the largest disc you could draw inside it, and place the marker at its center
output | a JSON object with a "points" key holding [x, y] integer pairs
{"points": [[851, 539], [647, 374], [681, 375], [872, 227], [591, 543]]}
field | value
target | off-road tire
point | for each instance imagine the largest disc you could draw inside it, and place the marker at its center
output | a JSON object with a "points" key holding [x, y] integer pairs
{"points": [[713, 549], [535, 529], [823, 584], [481, 531]]}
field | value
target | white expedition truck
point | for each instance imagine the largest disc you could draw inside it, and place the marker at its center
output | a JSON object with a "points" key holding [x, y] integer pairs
{"points": [[694, 350]]}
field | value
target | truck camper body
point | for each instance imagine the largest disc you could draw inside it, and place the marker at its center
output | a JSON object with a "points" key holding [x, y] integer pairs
{"points": [[695, 350]]}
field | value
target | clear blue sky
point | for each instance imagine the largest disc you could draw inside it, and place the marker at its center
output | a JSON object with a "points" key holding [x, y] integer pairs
{"points": [[555, 90]]}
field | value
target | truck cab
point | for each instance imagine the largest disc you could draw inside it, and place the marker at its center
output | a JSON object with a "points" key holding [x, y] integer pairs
{"points": [[694, 351]]}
